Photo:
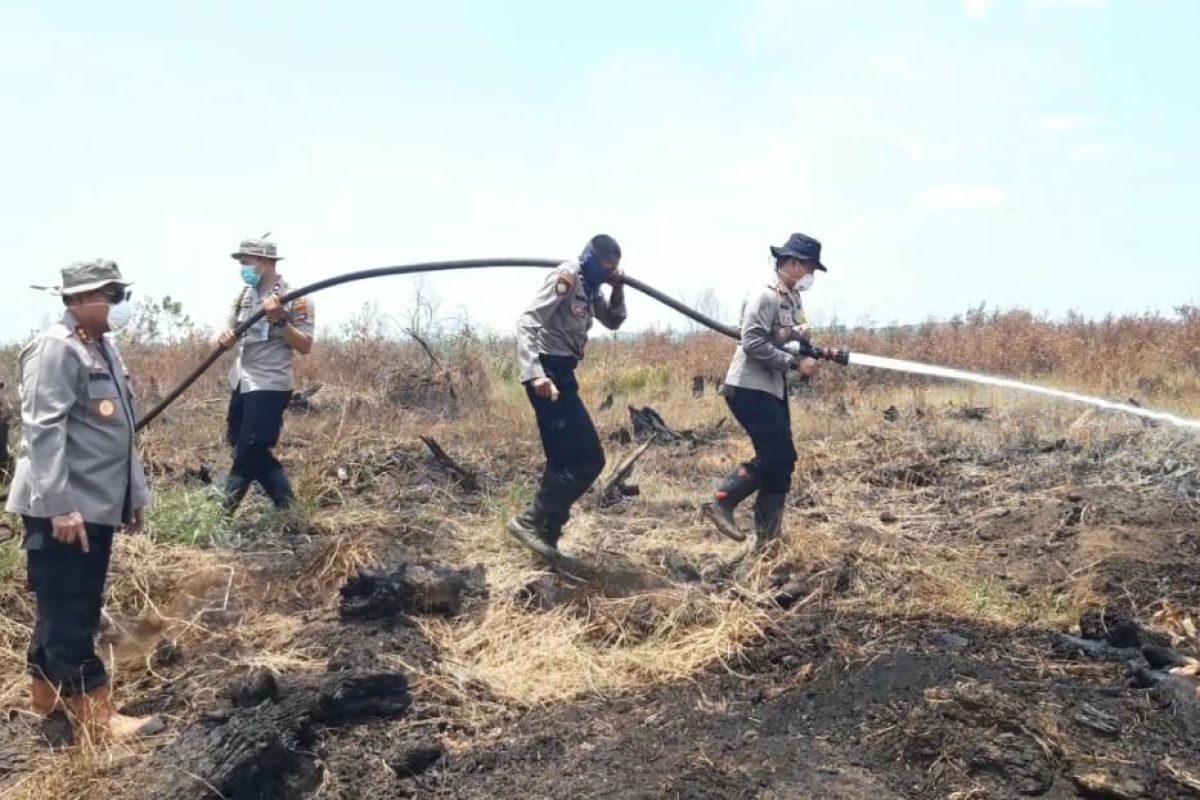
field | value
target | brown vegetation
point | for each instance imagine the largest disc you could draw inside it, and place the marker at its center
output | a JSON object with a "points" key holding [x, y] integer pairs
{"points": [[897, 642]]}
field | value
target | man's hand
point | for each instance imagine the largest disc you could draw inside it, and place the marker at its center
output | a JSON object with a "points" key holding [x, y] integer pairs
{"points": [[227, 340], [807, 367], [137, 524], [799, 332], [273, 308], [614, 278], [69, 528], [545, 388]]}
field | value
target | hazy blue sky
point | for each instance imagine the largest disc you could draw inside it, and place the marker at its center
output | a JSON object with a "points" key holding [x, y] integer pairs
{"points": [[1039, 153]]}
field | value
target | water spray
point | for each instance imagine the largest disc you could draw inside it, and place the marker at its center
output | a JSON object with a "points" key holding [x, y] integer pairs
{"points": [[917, 368], [803, 347]]}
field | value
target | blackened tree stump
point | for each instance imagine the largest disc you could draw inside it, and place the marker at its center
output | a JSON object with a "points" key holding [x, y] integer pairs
{"points": [[264, 751]]}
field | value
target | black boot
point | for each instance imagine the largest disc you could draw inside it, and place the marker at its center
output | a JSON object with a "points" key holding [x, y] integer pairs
{"points": [[531, 529], [236, 487], [740, 484], [278, 488], [768, 517]]}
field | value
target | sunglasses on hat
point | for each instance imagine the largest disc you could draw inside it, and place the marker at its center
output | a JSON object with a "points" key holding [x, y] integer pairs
{"points": [[118, 294]]}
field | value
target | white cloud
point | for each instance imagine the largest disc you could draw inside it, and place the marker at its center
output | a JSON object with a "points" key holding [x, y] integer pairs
{"points": [[1097, 151], [1064, 123], [976, 9], [965, 195]]}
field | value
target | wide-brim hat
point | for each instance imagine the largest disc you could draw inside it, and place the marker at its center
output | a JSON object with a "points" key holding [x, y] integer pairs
{"points": [[260, 248], [87, 276], [802, 247]]}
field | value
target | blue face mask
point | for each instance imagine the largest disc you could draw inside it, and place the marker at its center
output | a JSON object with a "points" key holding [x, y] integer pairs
{"points": [[250, 276], [593, 270]]}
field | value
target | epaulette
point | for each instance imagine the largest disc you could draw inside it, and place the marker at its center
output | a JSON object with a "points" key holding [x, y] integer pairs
{"points": [[565, 281]]}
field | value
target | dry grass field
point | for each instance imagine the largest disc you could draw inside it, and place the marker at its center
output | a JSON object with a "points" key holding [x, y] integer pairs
{"points": [[917, 635]]}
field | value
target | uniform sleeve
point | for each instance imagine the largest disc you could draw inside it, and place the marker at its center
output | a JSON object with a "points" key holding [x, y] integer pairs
{"points": [[49, 383], [139, 490], [236, 311], [611, 315], [558, 285], [758, 339], [303, 316]]}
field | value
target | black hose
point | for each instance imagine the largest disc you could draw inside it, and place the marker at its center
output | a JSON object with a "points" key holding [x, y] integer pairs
{"points": [[407, 269]]}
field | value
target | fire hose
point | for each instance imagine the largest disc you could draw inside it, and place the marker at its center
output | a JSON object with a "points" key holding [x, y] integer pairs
{"points": [[804, 347]]}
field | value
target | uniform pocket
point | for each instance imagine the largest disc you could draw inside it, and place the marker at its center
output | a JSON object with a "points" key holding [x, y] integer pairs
{"points": [[103, 399]]}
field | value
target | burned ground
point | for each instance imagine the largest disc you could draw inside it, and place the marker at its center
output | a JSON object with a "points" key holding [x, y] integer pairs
{"points": [[918, 635]]}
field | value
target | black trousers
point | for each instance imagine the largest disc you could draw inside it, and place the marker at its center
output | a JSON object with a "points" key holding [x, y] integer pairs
{"points": [[68, 588], [253, 426], [768, 421], [574, 457]]}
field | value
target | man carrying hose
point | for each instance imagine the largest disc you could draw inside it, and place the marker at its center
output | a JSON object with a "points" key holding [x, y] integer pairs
{"points": [[78, 480], [551, 336], [773, 344], [261, 377]]}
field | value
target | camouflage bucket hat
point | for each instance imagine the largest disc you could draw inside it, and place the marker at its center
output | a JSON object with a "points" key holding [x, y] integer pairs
{"points": [[257, 247], [87, 276]]}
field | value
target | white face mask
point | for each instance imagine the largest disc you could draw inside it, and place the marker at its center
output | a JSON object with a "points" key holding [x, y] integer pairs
{"points": [[805, 283], [120, 315]]}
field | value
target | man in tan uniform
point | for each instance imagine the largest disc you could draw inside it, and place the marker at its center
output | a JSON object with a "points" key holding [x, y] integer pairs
{"points": [[551, 337], [261, 378], [78, 480], [773, 344]]}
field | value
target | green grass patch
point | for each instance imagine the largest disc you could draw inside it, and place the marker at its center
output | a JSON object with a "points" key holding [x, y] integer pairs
{"points": [[11, 558], [993, 601], [644, 378], [190, 517]]}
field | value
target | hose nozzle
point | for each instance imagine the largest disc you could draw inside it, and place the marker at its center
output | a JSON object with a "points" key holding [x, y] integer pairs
{"points": [[838, 355]]}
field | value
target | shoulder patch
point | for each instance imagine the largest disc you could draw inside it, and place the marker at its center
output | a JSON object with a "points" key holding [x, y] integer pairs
{"points": [[564, 283], [300, 309]]}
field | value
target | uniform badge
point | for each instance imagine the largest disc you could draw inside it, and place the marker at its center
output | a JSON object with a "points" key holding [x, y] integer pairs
{"points": [[579, 309], [564, 283], [300, 310], [106, 409]]}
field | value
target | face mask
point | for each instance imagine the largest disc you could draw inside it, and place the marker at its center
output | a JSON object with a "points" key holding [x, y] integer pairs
{"points": [[119, 315], [593, 270], [805, 283], [250, 276]]}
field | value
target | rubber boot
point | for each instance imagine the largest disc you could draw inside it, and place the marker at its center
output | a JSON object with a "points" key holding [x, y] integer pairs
{"points": [[97, 719], [531, 529], [236, 487], [768, 518], [279, 488], [44, 699], [740, 484]]}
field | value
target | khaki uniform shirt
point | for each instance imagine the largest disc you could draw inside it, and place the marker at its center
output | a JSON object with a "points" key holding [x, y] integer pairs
{"points": [[264, 358], [77, 425], [558, 320], [760, 361]]}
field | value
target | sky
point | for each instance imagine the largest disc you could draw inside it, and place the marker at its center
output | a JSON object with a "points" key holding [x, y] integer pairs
{"points": [[1023, 153]]}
